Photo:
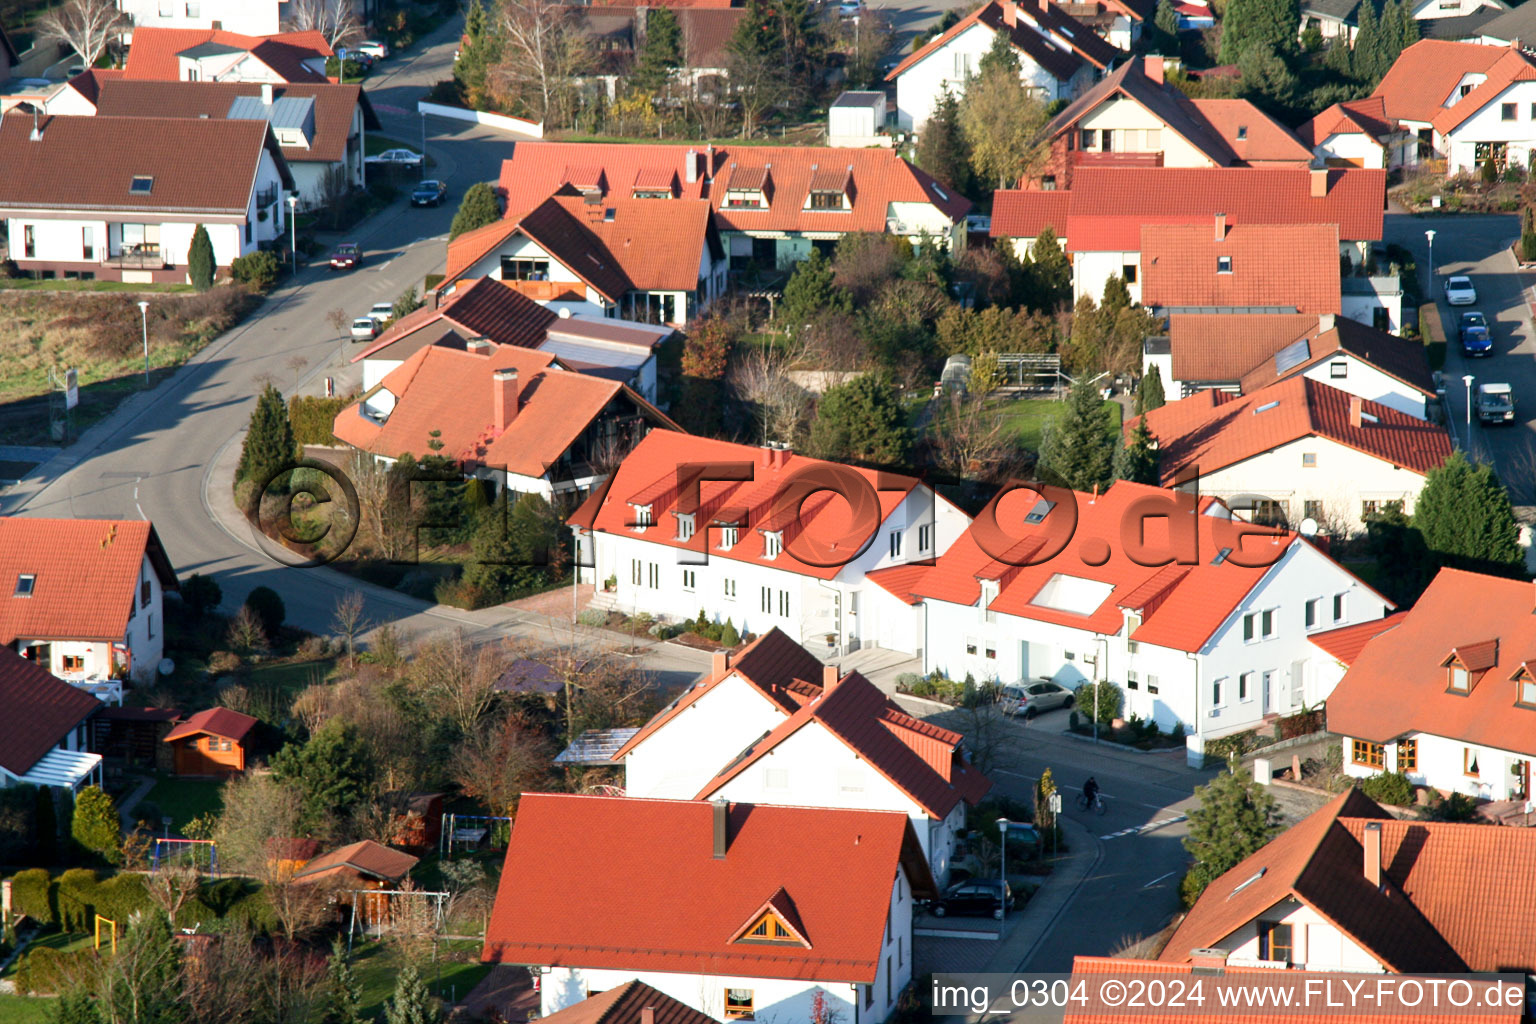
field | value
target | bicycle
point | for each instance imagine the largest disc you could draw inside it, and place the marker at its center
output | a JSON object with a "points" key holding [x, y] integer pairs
{"points": [[1098, 802]]}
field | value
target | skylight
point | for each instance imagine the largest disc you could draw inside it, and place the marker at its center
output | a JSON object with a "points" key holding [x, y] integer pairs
{"points": [[941, 193], [1243, 885], [143, 184], [1242, 132], [1221, 556], [1072, 594], [1265, 407], [24, 584], [1040, 511]]}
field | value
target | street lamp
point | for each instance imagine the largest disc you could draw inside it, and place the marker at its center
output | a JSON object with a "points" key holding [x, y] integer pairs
{"points": [[1467, 380], [1430, 234], [144, 323], [1002, 872], [293, 225]]}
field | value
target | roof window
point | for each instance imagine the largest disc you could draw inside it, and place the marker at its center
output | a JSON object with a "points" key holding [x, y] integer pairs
{"points": [[1242, 132], [1250, 880], [1221, 556], [769, 928], [1223, 264], [1266, 407], [24, 584], [142, 185], [1040, 511]]}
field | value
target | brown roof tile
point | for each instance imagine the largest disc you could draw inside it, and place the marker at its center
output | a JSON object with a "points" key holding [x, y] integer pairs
{"points": [[1293, 266], [626, 1004], [222, 722], [39, 711], [364, 858]]}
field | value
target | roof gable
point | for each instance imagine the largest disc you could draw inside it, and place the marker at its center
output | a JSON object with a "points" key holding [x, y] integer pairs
{"points": [[1425, 75], [221, 722], [155, 51], [635, 1002], [40, 711], [1047, 35], [776, 921], [1507, 72]]}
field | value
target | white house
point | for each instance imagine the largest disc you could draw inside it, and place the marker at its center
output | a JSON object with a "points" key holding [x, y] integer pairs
{"points": [[47, 734], [1200, 618], [1300, 449], [1059, 56], [84, 598], [1358, 133], [1340, 19], [772, 725], [690, 523], [216, 55], [777, 904], [1350, 888], [252, 17], [1442, 697], [1243, 352], [1465, 103], [132, 217]]}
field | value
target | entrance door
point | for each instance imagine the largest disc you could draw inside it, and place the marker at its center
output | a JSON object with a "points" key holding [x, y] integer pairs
{"points": [[1521, 788], [1268, 705], [1298, 684]]}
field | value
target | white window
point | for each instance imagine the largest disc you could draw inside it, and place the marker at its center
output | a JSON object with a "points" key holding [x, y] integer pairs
{"points": [[775, 778], [1132, 624], [685, 527], [1154, 139], [1223, 264], [642, 516], [1458, 678], [1309, 460], [1528, 691], [962, 65], [730, 590], [635, 575], [850, 779], [1338, 607], [784, 604], [690, 579], [988, 595], [1258, 625], [727, 537], [167, 9], [26, 582], [655, 576], [1314, 612], [895, 543], [1152, 684], [773, 543], [194, 10], [1216, 692], [767, 600], [924, 538], [1245, 686]]}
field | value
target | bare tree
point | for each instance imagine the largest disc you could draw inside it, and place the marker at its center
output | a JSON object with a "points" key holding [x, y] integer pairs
{"points": [[383, 507], [544, 49], [970, 440], [333, 19], [459, 679], [296, 364], [337, 320], [349, 621], [172, 887], [261, 817], [412, 923], [498, 762], [85, 26], [782, 406]]}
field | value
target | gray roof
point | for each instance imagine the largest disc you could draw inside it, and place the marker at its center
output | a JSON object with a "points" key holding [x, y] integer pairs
{"points": [[208, 49], [1519, 23], [861, 99], [1334, 10], [285, 112]]}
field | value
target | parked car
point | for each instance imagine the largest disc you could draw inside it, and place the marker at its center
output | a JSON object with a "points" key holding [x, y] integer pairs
{"points": [[346, 257], [1495, 403], [429, 193], [1475, 339], [382, 312], [1031, 699], [974, 897], [1459, 291], [850, 8], [403, 157], [361, 58], [365, 328], [373, 48]]}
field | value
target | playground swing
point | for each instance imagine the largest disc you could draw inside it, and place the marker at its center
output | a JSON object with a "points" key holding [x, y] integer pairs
{"points": [[168, 850]]}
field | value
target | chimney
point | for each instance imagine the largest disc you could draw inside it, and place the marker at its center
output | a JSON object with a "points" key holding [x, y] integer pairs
{"points": [[1319, 183], [1152, 67], [829, 676], [709, 163], [1373, 853], [37, 127], [1010, 14], [1325, 323], [1208, 958], [504, 391], [768, 456], [1221, 227], [1356, 417], [478, 347], [648, 1015], [266, 94], [691, 166], [720, 809], [720, 664]]}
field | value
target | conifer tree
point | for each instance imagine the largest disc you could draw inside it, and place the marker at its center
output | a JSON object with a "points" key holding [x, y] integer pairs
{"points": [[942, 149], [663, 50], [1236, 817], [478, 208], [411, 1003], [1000, 56], [343, 999], [1136, 460], [1465, 517], [200, 264], [1150, 395], [812, 292], [269, 446], [1076, 449]]}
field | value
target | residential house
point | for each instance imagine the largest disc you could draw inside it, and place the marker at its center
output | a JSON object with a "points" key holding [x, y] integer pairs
{"points": [[1344, 645], [1134, 118], [211, 742], [1194, 15], [1194, 267], [1107, 208], [1242, 353], [1351, 888], [84, 598], [616, 33], [1340, 19], [782, 903], [1119, 23], [633, 1002], [1200, 618], [760, 536], [1505, 27], [132, 218], [495, 311], [320, 128], [1466, 104], [43, 734], [254, 17], [772, 725], [1358, 133], [1059, 56], [214, 55], [1443, 697], [770, 204], [1299, 449], [504, 413], [619, 256]]}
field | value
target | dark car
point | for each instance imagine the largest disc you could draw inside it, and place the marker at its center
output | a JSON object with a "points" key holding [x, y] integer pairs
{"points": [[429, 193], [1031, 699], [346, 257], [974, 897], [1475, 339]]}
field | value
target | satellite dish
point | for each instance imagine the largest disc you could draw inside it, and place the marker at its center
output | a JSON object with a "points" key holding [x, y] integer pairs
{"points": [[166, 666], [1309, 527], [565, 314]]}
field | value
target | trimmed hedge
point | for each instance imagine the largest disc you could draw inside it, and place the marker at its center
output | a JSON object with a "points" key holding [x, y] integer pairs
{"points": [[32, 894], [45, 970], [312, 418], [73, 900]]}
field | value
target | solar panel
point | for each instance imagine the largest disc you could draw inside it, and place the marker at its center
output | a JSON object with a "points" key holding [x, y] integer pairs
{"points": [[1293, 355]]}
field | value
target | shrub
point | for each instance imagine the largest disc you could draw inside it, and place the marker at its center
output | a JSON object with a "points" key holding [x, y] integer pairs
{"points": [[259, 270], [45, 970], [32, 895], [313, 648], [118, 898], [1220, 751], [1109, 699], [1073, 722], [906, 680], [1388, 788], [1177, 732], [96, 825], [200, 266], [268, 607], [922, 688], [311, 418], [77, 899], [592, 617], [729, 636], [465, 594], [222, 663], [1456, 807]]}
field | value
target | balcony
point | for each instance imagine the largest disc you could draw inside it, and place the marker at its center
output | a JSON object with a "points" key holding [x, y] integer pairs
{"points": [[142, 256], [266, 197], [108, 691]]}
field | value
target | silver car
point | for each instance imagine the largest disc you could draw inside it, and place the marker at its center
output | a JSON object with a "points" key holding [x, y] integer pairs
{"points": [[1459, 291], [365, 328], [1031, 699]]}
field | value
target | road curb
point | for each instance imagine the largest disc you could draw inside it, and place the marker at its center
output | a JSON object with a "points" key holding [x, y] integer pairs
{"points": [[1066, 904], [1116, 747]]}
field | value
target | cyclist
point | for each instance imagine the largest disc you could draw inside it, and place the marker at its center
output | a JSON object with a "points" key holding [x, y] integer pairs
{"points": [[1091, 791]]}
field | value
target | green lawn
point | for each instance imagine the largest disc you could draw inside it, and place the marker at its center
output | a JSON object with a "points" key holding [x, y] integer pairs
{"points": [[1027, 417], [61, 285], [26, 1009], [184, 799], [290, 678], [456, 972]]}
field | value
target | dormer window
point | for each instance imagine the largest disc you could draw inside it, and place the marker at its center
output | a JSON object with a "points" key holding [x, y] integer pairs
{"points": [[685, 526], [750, 188], [773, 543], [728, 537], [988, 595], [643, 517], [1466, 665], [24, 585], [769, 929], [745, 199], [824, 201], [652, 193], [1460, 681], [1525, 686], [831, 189]]}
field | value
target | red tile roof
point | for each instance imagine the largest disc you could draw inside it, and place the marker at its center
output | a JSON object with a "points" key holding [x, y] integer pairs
{"points": [[1397, 685], [367, 858], [1020, 213], [1514, 66], [657, 471], [1321, 864], [1109, 205], [1294, 266], [335, 108], [1399, 358], [1051, 38], [1427, 74], [1223, 347], [152, 57], [1366, 117], [89, 82], [485, 308], [1255, 138], [612, 905], [1085, 533], [230, 725], [87, 576], [1346, 642], [40, 711], [858, 714], [60, 171], [1214, 430], [627, 1004], [450, 389]]}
